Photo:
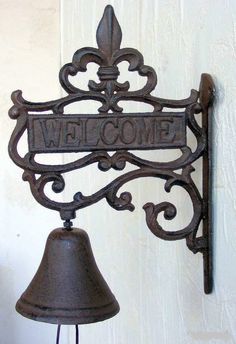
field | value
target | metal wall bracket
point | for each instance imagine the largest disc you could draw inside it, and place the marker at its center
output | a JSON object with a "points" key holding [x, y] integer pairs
{"points": [[113, 130]]}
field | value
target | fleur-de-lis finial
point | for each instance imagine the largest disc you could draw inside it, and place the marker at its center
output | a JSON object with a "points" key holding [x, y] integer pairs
{"points": [[109, 33]]}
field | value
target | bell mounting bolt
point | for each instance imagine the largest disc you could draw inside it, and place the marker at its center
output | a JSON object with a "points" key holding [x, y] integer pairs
{"points": [[109, 135], [68, 225]]}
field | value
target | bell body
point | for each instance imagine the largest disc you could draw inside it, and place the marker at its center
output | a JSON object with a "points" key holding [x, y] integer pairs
{"points": [[68, 287]]}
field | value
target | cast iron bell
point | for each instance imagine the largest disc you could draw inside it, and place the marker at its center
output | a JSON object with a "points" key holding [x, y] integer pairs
{"points": [[68, 287]]}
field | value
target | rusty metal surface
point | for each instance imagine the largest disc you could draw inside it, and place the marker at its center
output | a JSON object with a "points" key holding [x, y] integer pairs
{"points": [[107, 124], [110, 132], [68, 287]]}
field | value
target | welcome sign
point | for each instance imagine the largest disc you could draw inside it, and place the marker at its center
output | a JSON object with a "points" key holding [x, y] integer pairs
{"points": [[79, 133]]}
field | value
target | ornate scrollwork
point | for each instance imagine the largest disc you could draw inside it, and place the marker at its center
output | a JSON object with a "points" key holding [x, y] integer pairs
{"points": [[109, 92]]}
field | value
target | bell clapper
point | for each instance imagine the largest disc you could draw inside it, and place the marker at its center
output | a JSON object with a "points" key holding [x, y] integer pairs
{"points": [[76, 334]]}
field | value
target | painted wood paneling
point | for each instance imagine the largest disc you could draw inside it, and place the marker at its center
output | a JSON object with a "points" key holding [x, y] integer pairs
{"points": [[159, 284]]}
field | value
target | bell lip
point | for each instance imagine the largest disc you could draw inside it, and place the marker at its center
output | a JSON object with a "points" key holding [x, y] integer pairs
{"points": [[58, 316]]}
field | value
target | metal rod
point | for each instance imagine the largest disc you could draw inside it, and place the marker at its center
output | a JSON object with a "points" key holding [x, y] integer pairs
{"points": [[76, 334], [58, 333]]}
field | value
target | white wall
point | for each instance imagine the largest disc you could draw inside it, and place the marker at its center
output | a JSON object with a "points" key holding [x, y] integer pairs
{"points": [[158, 284], [29, 60]]}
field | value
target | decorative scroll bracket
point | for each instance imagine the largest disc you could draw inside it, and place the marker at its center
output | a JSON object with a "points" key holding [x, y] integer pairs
{"points": [[113, 130]]}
